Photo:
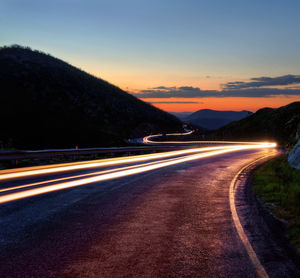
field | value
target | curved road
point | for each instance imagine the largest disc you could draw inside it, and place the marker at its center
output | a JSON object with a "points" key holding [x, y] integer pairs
{"points": [[171, 221]]}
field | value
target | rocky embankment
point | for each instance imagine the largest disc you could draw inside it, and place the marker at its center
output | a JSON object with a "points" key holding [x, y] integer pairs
{"points": [[294, 156]]}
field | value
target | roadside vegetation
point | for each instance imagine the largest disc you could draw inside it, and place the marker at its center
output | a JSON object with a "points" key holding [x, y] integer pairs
{"points": [[278, 185]]}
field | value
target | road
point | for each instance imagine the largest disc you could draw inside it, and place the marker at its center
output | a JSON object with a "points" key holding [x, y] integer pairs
{"points": [[161, 217]]}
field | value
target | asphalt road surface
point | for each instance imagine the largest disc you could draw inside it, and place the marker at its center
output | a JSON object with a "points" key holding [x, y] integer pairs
{"points": [[173, 221]]}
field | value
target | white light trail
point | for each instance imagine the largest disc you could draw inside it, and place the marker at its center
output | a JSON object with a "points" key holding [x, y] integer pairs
{"points": [[72, 177], [41, 170], [125, 171], [147, 140]]}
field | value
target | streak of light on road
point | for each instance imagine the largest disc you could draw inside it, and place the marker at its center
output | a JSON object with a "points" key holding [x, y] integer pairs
{"points": [[149, 140], [41, 170], [123, 172], [71, 177]]}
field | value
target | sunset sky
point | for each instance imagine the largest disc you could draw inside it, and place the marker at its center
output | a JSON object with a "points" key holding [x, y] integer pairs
{"points": [[179, 55]]}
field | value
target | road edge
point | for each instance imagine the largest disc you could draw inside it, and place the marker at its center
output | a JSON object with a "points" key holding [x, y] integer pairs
{"points": [[260, 228], [260, 270]]}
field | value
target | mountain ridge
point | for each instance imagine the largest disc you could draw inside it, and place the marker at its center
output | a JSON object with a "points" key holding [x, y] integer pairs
{"points": [[46, 102], [280, 124], [214, 119]]}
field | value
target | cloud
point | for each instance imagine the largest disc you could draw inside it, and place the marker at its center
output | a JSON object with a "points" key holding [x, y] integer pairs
{"points": [[263, 82], [173, 92], [257, 87], [198, 93], [185, 102], [295, 87], [163, 88]]}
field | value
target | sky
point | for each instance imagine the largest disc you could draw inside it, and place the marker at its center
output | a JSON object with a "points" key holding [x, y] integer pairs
{"points": [[179, 55]]}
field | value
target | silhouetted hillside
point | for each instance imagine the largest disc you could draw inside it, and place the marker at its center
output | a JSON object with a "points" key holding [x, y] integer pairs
{"points": [[281, 124], [47, 103], [213, 119]]}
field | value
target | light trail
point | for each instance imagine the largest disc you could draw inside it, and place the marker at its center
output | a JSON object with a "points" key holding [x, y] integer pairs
{"points": [[123, 172], [147, 140], [78, 176], [41, 170]]}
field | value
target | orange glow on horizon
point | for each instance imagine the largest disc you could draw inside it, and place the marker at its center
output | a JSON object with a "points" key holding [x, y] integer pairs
{"points": [[226, 103], [137, 79]]}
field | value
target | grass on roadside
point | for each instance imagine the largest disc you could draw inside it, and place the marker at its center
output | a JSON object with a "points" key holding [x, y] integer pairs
{"points": [[278, 185]]}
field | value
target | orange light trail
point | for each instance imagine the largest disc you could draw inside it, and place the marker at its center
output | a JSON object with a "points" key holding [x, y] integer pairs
{"points": [[128, 171], [74, 177], [41, 170]]}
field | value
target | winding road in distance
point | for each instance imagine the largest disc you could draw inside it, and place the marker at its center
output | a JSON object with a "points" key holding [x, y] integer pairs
{"points": [[170, 214]]}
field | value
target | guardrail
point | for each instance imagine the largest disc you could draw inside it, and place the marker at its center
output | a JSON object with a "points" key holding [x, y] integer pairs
{"points": [[14, 156]]}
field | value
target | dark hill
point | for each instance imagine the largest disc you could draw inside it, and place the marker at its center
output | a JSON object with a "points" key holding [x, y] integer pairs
{"points": [[47, 103], [281, 124], [213, 119]]}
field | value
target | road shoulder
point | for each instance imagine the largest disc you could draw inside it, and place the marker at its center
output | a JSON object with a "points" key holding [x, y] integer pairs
{"points": [[263, 231]]}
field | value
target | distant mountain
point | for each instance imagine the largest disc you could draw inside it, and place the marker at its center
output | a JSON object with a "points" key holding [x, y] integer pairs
{"points": [[213, 119], [47, 103], [181, 115], [281, 124]]}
